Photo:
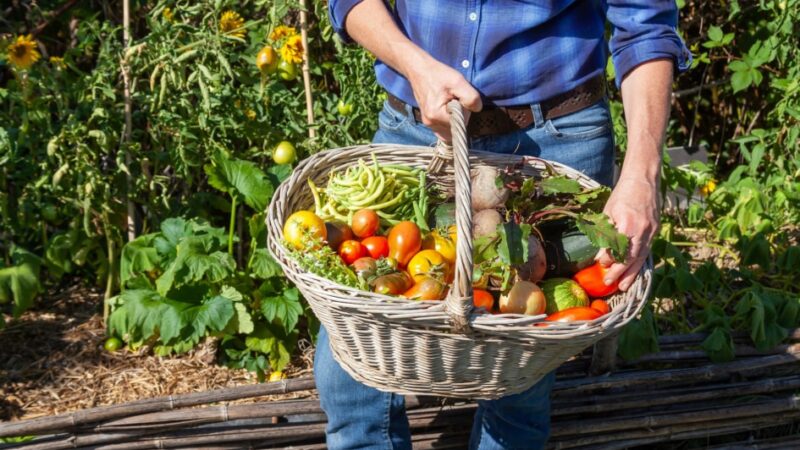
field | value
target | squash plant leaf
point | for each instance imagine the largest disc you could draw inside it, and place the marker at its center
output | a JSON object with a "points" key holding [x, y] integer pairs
{"points": [[263, 265], [602, 234], [20, 282], [138, 256], [196, 260], [211, 315], [639, 337], [285, 307], [241, 179]]}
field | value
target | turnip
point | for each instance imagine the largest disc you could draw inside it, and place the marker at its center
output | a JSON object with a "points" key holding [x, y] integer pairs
{"points": [[523, 298], [485, 193], [485, 222]]}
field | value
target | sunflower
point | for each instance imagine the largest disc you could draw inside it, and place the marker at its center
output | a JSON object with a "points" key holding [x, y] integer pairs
{"points": [[231, 23], [282, 31], [22, 53], [168, 15], [292, 50]]}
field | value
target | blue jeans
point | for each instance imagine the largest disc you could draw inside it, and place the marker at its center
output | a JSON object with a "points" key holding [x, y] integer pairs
{"points": [[361, 417]]}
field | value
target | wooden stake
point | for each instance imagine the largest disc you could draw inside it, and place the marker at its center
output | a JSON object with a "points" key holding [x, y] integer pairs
{"points": [[312, 132]]}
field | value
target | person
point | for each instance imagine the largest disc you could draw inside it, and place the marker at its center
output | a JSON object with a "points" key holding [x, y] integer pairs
{"points": [[532, 75]]}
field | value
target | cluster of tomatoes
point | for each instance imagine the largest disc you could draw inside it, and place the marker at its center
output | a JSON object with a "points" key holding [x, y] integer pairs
{"points": [[403, 262]]}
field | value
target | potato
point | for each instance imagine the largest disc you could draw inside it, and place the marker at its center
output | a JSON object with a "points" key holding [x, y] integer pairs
{"points": [[523, 298], [485, 193], [536, 265], [485, 222]]}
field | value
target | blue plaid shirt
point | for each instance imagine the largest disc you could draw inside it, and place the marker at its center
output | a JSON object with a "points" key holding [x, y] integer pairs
{"points": [[518, 52]]}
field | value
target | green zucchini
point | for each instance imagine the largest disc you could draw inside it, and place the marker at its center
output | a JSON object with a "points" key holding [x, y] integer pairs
{"points": [[567, 249]]}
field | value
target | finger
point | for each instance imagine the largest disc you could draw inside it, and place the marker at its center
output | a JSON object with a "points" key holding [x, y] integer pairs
{"points": [[613, 273], [604, 257], [627, 278], [468, 96]]}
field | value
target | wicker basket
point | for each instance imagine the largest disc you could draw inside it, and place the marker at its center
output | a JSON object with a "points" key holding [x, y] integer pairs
{"points": [[438, 347]]}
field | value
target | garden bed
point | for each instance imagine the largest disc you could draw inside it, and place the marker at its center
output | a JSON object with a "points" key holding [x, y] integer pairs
{"points": [[53, 361]]}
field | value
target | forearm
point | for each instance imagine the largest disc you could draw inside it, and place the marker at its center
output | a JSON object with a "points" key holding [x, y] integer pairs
{"points": [[646, 94], [370, 24]]}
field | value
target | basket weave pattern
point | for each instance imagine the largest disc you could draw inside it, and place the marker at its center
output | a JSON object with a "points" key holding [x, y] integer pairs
{"points": [[438, 347]]}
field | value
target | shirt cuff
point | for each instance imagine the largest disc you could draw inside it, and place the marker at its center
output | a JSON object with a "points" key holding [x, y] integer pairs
{"points": [[338, 11], [633, 55]]}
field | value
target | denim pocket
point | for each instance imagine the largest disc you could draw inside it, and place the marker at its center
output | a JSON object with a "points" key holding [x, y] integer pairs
{"points": [[391, 119], [585, 124]]}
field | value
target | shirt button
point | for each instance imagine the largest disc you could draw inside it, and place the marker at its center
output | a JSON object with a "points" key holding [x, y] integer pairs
{"points": [[465, 63], [473, 17]]}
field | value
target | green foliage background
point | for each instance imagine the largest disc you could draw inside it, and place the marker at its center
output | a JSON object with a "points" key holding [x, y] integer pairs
{"points": [[205, 123]]}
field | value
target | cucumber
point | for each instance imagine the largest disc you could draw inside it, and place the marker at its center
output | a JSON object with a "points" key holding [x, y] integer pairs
{"points": [[567, 249]]}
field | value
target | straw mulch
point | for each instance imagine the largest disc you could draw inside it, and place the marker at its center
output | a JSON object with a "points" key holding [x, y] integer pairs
{"points": [[52, 361]]}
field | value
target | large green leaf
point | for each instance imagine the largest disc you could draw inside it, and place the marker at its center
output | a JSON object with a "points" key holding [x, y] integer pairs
{"points": [[240, 179], [263, 265], [284, 308], [138, 256], [211, 315], [639, 337], [149, 313], [20, 282], [195, 260]]}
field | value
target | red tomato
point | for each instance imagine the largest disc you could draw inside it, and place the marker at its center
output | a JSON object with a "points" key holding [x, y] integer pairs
{"points": [[377, 246], [573, 314], [351, 250], [365, 223], [405, 240], [601, 305], [591, 280], [482, 299]]}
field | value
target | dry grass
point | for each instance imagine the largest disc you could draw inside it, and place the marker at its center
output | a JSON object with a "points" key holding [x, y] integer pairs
{"points": [[52, 361]]}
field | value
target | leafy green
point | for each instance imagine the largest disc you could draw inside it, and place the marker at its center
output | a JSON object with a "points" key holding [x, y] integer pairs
{"points": [[20, 282], [286, 308], [240, 178], [559, 184], [138, 256], [639, 337], [513, 247], [195, 260], [263, 265], [602, 234]]}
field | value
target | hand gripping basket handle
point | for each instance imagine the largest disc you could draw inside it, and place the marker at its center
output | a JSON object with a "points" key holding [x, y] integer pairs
{"points": [[459, 301]]}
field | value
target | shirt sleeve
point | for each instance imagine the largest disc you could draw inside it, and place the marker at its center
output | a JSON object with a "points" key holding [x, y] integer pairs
{"points": [[643, 30], [338, 11]]}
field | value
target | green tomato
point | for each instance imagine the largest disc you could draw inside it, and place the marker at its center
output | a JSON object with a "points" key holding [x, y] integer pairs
{"points": [[287, 70], [49, 213], [112, 344], [345, 109], [284, 153]]}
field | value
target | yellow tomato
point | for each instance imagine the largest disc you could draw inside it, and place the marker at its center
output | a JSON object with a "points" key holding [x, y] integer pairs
{"points": [[428, 263], [302, 227], [277, 375], [451, 233], [267, 60], [442, 244], [708, 188]]}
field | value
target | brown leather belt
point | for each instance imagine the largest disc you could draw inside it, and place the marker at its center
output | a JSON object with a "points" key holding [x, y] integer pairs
{"points": [[507, 119]]}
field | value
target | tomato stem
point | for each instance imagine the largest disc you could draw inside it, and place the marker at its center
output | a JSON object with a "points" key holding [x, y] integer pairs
{"points": [[231, 226]]}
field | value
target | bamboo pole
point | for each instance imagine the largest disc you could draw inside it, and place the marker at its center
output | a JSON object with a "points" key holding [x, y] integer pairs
{"points": [[684, 375], [69, 421], [668, 433], [578, 427], [312, 132], [126, 38]]}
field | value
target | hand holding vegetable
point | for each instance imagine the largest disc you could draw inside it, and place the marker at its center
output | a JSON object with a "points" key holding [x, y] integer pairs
{"points": [[633, 208]]}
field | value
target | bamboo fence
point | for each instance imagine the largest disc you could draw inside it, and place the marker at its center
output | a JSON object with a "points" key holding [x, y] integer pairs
{"points": [[673, 395]]}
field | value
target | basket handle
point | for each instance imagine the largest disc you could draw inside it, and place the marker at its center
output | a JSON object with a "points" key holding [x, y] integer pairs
{"points": [[459, 301]]}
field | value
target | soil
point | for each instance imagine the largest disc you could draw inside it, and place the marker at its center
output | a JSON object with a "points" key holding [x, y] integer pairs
{"points": [[52, 361]]}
